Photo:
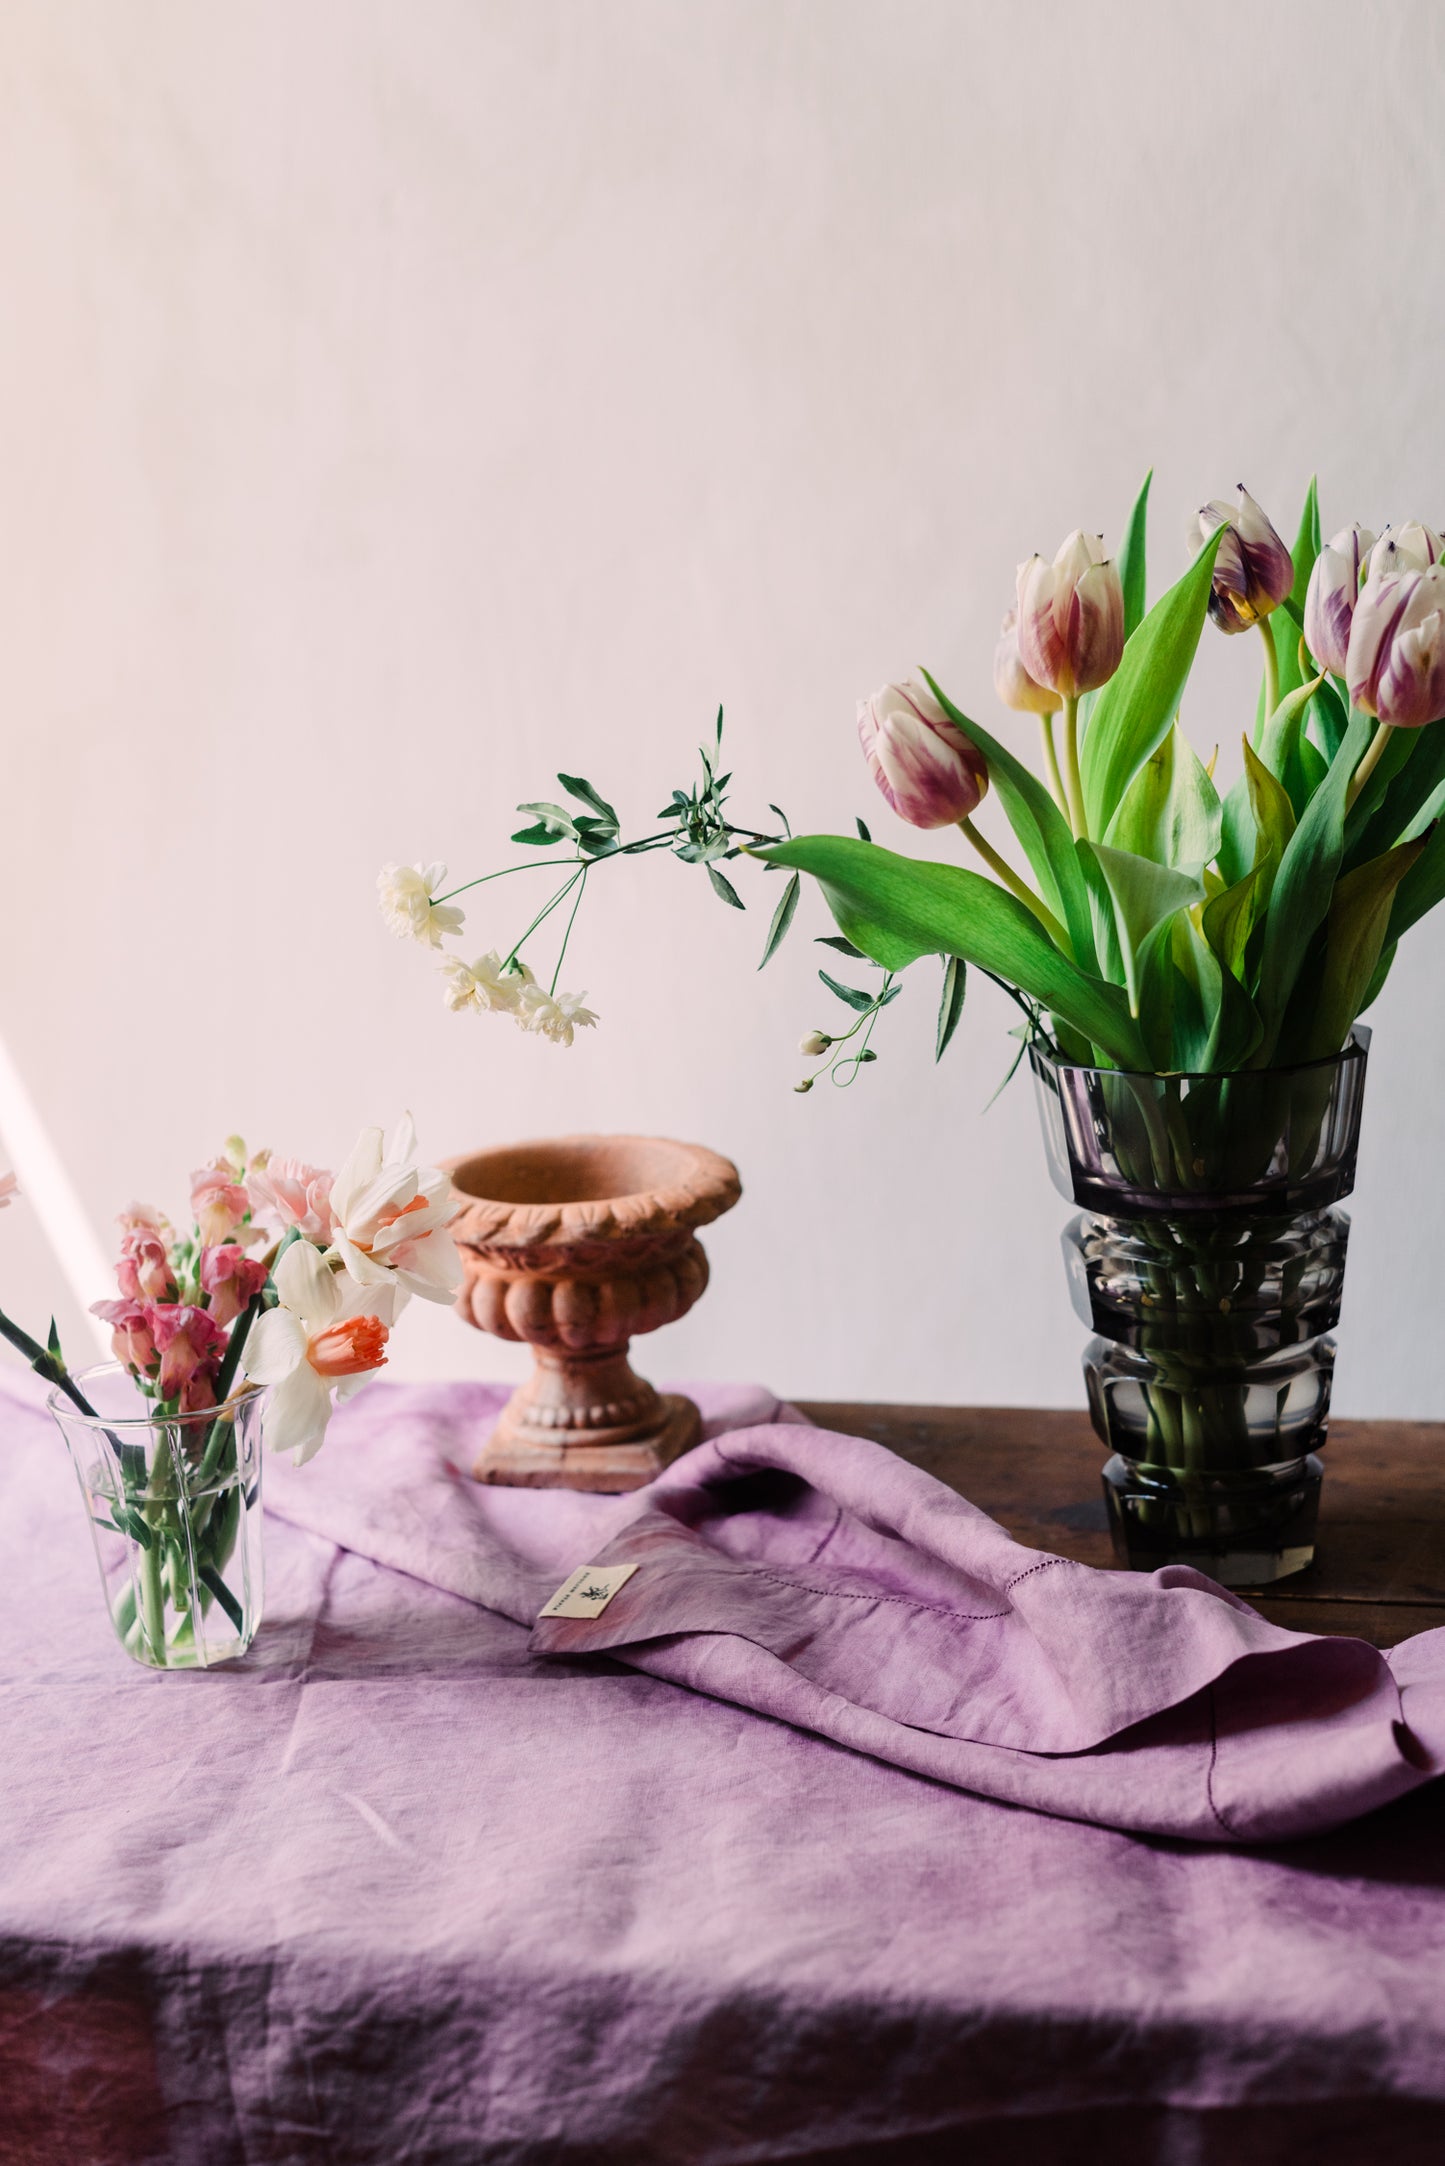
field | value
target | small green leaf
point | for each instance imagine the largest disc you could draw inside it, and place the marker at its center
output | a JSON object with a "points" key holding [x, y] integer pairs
{"points": [[1138, 704], [950, 1007], [782, 816], [849, 993], [52, 1344], [1131, 559], [576, 786], [844, 947], [782, 918], [725, 888], [555, 817], [863, 834]]}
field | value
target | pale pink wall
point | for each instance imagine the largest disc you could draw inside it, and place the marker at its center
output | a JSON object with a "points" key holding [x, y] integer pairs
{"points": [[401, 401]]}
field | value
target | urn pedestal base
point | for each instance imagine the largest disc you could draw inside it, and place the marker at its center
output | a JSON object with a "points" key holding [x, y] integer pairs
{"points": [[542, 1442]]}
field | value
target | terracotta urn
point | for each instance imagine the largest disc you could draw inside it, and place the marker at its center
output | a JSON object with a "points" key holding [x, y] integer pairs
{"points": [[576, 1245]]}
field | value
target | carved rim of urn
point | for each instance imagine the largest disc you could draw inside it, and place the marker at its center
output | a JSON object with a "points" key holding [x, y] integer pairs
{"points": [[573, 1205]]}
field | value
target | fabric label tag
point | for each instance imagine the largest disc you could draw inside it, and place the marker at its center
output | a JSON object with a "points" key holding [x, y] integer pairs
{"points": [[588, 1592]]}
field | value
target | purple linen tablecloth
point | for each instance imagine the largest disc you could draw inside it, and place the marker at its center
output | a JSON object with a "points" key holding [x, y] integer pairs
{"points": [[417, 1883]]}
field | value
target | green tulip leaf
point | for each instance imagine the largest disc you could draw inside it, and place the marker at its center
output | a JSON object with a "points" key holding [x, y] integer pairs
{"points": [[898, 908], [1303, 886], [1258, 824], [1143, 895], [1355, 932], [1281, 742], [1171, 810], [1044, 834], [1138, 704], [1131, 559], [1230, 917]]}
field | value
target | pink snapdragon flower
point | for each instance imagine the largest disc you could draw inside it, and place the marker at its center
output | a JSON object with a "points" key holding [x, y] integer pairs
{"points": [[141, 1218], [190, 1344], [229, 1279], [132, 1339], [144, 1271], [287, 1192], [219, 1203]]}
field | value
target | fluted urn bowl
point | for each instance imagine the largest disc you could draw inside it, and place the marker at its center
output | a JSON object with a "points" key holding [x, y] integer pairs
{"points": [[576, 1245]]}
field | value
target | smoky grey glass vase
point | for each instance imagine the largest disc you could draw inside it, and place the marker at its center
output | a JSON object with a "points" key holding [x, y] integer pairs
{"points": [[1208, 1260]]}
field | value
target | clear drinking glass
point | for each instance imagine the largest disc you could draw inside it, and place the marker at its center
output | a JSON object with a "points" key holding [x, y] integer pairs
{"points": [[1209, 1261], [174, 1506]]}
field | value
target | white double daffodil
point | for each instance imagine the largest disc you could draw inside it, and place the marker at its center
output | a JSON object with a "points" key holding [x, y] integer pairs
{"points": [[392, 1218]]}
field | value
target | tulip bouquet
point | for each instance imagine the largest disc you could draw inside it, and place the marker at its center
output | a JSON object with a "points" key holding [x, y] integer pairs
{"points": [[287, 1277], [1152, 921]]}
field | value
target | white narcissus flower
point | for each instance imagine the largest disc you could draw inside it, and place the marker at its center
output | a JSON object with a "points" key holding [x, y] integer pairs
{"points": [[405, 893], [391, 1217], [327, 1335], [552, 1017], [484, 984]]}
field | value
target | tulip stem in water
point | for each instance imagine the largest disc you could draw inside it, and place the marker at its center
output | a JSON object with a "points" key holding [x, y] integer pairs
{"points": [[1271, 668], [1051, 762], [1078, 818], [1005, 872], [1369, 763]]}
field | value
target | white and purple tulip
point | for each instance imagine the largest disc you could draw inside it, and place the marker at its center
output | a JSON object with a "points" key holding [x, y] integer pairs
{"points": [[1071, 617], [1395, 667], [1012, 682], [1253, 571], [930, 773], [1334, 589]]}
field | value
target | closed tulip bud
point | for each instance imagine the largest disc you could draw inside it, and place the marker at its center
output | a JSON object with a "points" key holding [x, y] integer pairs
{"points": [[1408, 548], [1395, 667], [1012, 682], [1253, 571], [1334, 589], [1071, 618], [930, 773]]}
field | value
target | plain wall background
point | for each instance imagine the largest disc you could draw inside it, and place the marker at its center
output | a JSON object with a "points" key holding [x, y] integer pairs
{"points": [[403, 399]]}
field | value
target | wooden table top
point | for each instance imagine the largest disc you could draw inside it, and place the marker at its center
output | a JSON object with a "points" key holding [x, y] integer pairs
{"points": [[1379, 1573]]}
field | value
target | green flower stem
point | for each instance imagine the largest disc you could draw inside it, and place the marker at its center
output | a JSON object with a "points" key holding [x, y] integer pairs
{"points": [[1369, 763], [44, 1363], [1271, 667], [1051, 762], [1003, 871], [153, 1602], [1078, 818]]}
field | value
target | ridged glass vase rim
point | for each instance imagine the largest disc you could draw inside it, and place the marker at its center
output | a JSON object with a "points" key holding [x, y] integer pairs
{"points": [[63, 1407], [1356, 1050]]}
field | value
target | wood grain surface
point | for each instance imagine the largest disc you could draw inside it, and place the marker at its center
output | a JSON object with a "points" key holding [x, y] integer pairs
{"points": [[1379, 1573]]}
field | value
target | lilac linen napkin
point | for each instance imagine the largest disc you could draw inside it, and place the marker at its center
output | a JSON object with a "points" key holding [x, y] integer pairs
{"points": [[820, 1580]]}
